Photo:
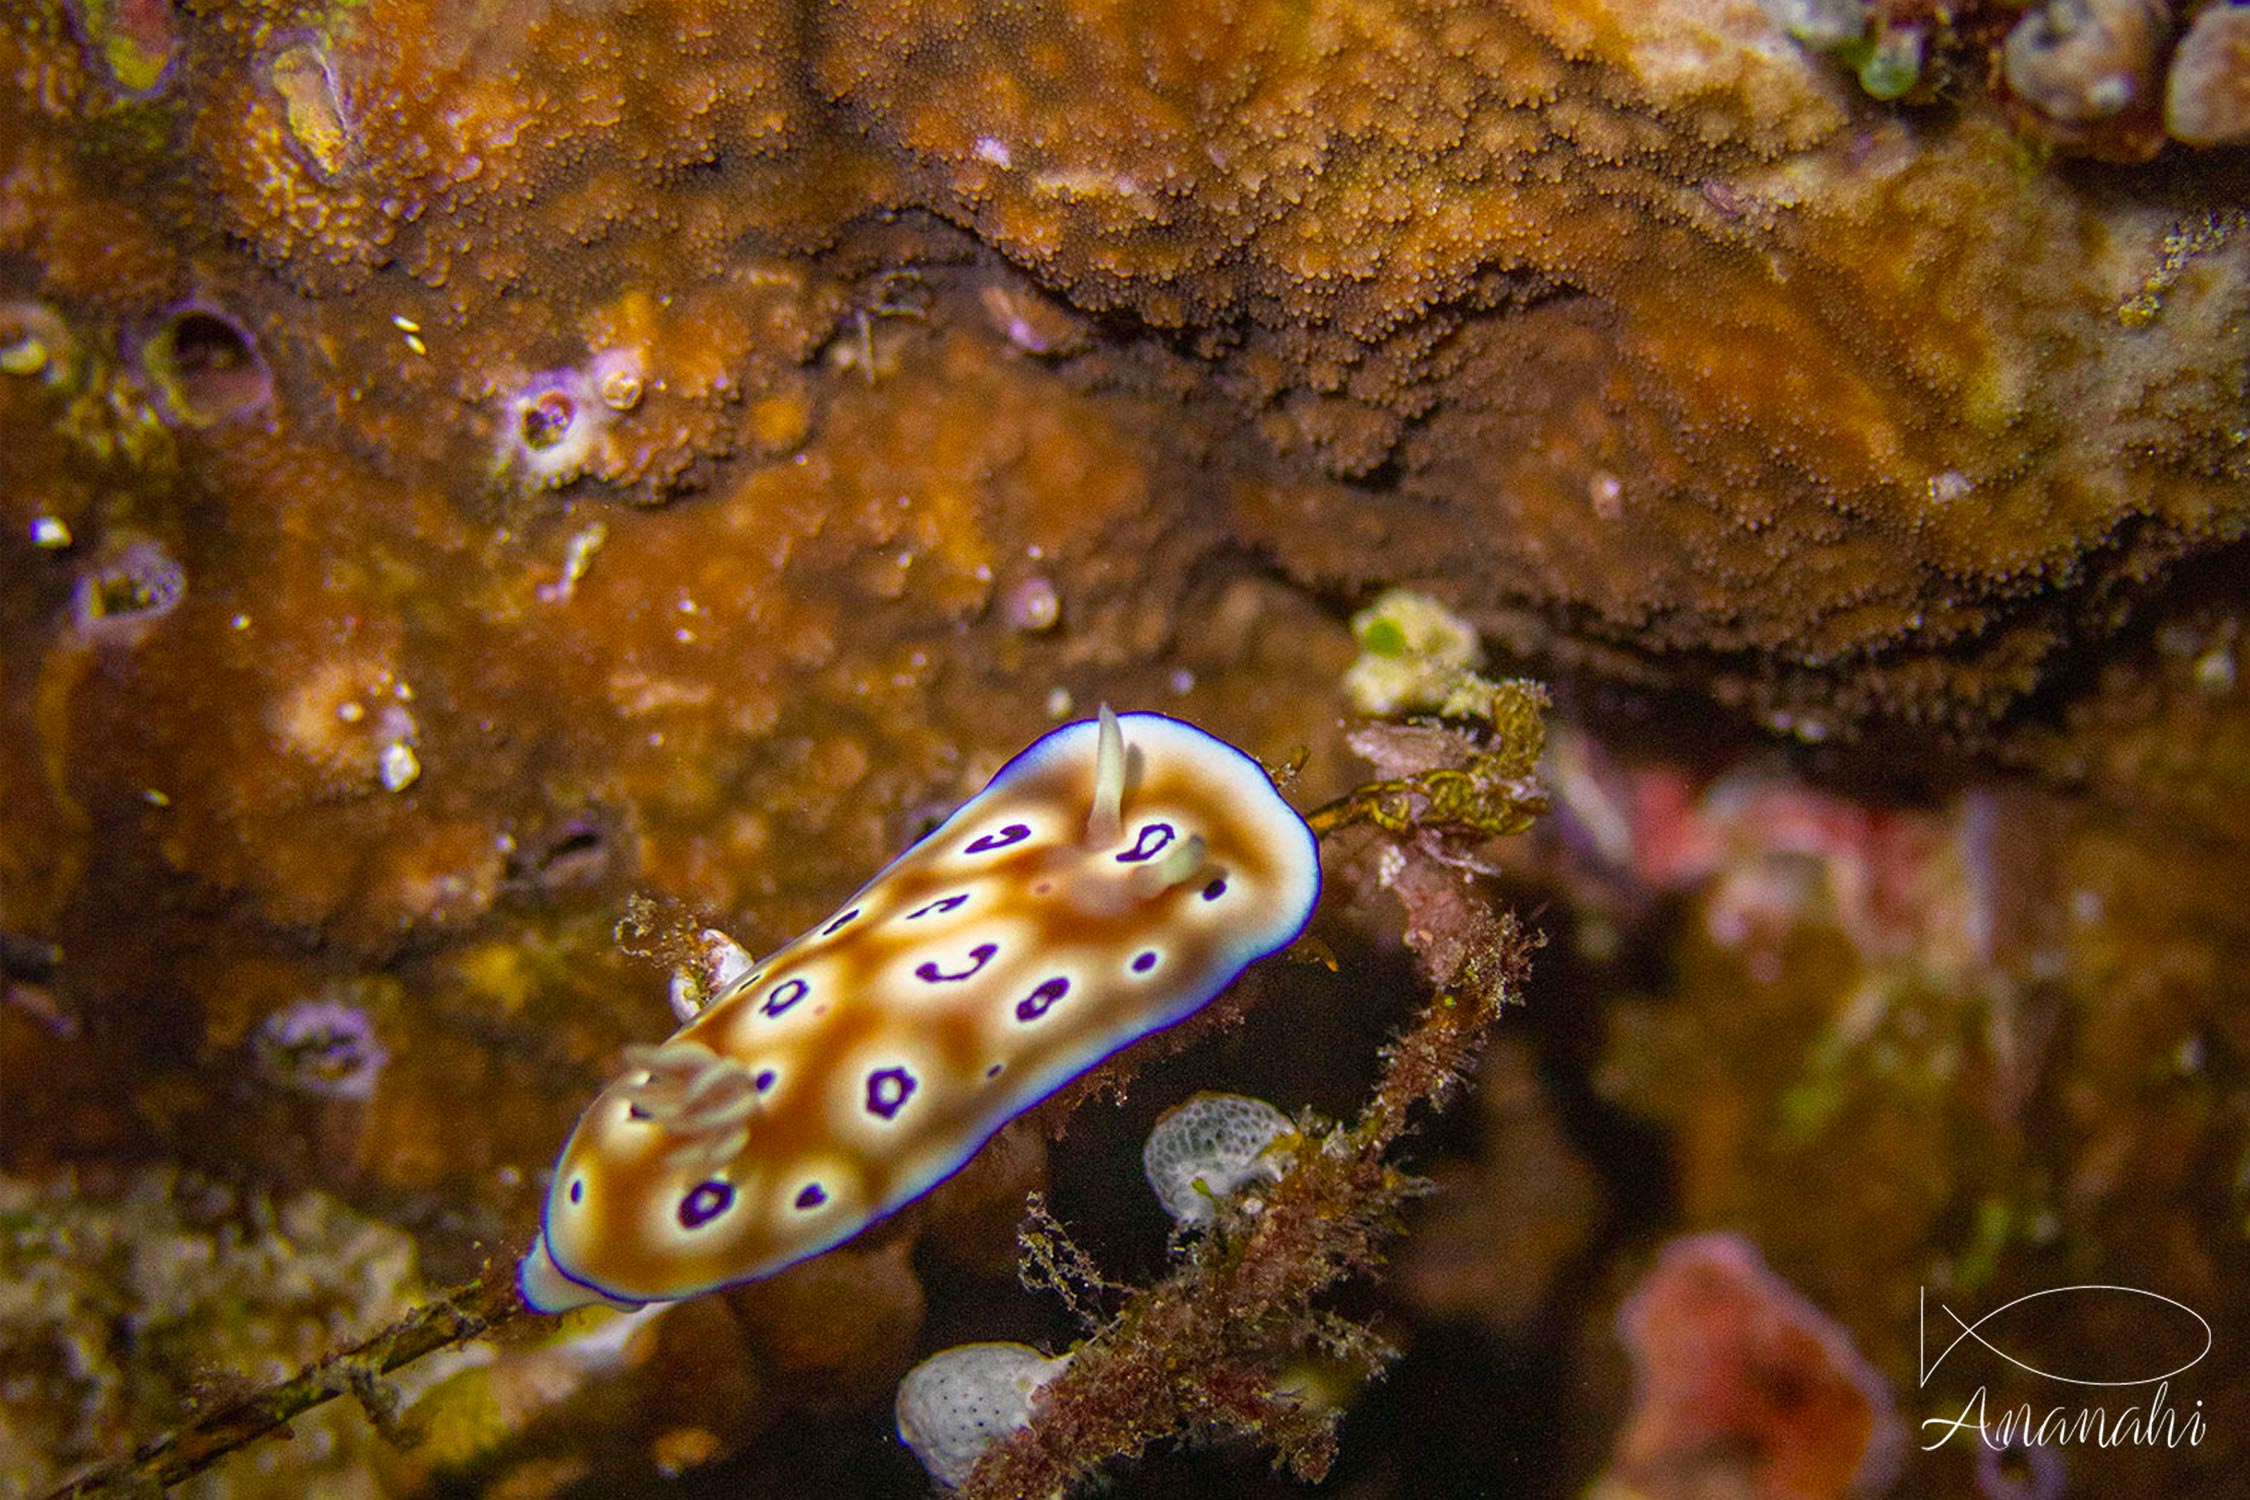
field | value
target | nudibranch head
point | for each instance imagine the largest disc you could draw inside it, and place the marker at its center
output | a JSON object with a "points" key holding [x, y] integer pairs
{"points": [[1109, 882]]}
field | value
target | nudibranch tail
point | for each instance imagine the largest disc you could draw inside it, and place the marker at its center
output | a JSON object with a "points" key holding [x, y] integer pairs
{"points": [[1109, 882]]}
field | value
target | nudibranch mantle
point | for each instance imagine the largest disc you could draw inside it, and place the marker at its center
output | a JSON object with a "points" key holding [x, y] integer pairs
{"points": [[1109, 882]]}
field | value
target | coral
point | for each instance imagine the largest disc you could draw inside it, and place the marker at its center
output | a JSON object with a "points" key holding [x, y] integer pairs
{"points": [[838, 1331], [549, 427], [2083, 60], [1942, 1025], [2207, 91], [134, 42], [1743, 1387], [1819, 23], [960, 1401], [124, 1297], [1032, 605], [326, 1047], [121, 599]]}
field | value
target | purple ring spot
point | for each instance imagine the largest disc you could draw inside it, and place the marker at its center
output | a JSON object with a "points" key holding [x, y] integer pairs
{"points": [[763, 1081], [888, 1089], [811, 1195], [706, 1202], [979, 956], [836, 925], [1147, 843], [1014, 833], [785, 994], [1215, 889], [938, 907], [1041, 1000], [1144, 962]]}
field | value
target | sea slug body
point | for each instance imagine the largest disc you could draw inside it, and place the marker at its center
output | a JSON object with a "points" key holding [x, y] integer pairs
{"points": [[1109, 882]]}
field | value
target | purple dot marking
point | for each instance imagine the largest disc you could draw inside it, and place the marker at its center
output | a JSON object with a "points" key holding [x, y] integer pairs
{"points": [[1041, 1000], [837, 925], [785, 994], [938, 907], [811, 1195], [763, 1081], [1014, 833], [1147, 843], [1215, 889], [994, 1070], [888, 1089], [979, 956], [705, 1203], [635, 1112], [1143, 962], [578, 1190]]}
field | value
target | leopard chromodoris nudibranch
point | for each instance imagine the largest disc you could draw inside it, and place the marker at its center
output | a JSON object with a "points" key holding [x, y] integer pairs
{"points": [[1110, 881]]}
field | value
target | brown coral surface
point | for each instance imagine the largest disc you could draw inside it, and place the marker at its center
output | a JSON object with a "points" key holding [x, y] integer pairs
{"points": [[464, 466]]}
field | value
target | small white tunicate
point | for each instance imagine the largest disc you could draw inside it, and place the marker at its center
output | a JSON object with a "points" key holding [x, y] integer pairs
{"points": [[727, 959], [1208, 1149], [718, 962], [960, 1401]]}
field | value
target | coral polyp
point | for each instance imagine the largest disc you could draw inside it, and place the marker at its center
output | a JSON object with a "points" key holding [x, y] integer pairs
{"points": [[204, 368], [618, 377], [134, 42], [325, 1047], [35, 343], [551, 429], [137, 585], [303, 75]]}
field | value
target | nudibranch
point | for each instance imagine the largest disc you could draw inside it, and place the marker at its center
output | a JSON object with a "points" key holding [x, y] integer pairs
{"points": [[1109, 882]]}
